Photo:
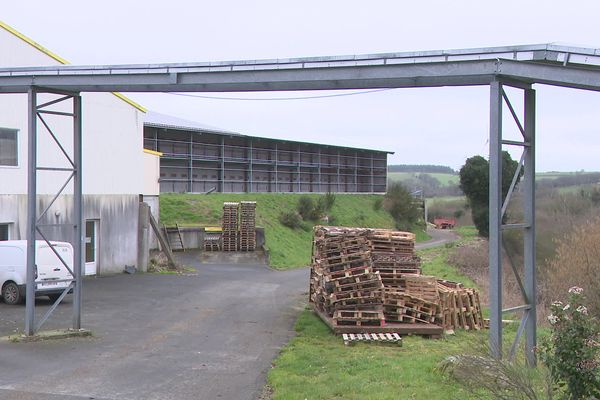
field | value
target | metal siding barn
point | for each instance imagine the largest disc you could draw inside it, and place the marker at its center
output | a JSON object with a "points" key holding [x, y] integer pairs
{"points": [[198, 159]]}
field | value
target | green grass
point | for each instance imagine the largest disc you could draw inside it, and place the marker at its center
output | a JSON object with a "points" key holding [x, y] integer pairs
{"points": [[467, 232], [421, 236], [288, 248], [555, 174], [441, 199], [317, 365], [443, 179]]}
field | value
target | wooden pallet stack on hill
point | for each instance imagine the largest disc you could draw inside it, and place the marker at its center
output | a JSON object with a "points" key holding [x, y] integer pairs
{"points": [[247, 239], [343, 284], [230, 226]]}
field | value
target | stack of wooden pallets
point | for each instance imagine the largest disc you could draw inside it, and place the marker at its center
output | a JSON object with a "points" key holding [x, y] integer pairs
{"points": [[343, 284], [230, 226], [359, 274], [247, 226], [459, 307], [393, 253]]}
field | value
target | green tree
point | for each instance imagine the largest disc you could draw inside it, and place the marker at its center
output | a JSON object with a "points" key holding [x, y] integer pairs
{"points": [[401, 206], [474, 182]]}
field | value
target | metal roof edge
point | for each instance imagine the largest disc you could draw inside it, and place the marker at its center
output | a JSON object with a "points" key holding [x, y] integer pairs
{"points": [[356, 57], [61, 60], [234, 134]]}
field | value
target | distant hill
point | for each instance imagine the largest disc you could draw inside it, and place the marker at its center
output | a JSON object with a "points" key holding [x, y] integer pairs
{"points": [[421, 168]]}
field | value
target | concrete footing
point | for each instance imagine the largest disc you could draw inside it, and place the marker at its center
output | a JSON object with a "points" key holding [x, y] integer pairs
{"points": [[49, 335]]}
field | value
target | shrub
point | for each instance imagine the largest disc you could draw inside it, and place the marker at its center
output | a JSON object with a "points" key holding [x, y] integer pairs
{"points": [[501, 379], [449, 208], [474, 182], [576, 264], [571, 353], [378, 204], [401, 206], [305, 207], [290, 219], [328, 200]]}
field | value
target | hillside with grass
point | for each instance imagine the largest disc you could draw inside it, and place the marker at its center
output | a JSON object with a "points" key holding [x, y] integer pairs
{"points": [[442, 178], [287, 247]]}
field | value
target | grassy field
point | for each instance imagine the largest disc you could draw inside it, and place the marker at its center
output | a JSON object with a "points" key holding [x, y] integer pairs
{"points": [[444, 179], [554, 174], [288, 248], [317, 365]]}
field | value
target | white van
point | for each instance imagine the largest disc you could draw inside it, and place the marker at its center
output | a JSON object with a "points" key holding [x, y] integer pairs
{"points": [[50, 274]]}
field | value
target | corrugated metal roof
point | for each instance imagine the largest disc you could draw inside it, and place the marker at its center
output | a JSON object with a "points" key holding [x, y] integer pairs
{"points": [[157, 120]]}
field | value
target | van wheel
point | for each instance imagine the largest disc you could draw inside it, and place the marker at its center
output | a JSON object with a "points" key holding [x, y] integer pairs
{"points": [[11, 293]]}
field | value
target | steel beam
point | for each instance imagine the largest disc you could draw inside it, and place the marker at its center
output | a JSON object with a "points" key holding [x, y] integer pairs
{"points": [[495, 220], [517, 65]]}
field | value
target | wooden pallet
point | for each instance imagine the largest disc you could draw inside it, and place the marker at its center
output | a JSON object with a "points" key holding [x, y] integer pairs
{"points": [[360, 317], [212, 241], [393, 338], [427, 330]]}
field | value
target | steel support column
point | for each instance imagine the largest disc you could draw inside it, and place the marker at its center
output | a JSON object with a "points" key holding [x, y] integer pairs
{"points": [[35, 224], [529, 234], [31, 212], [191, 164], [250, 172], [498, 213], [78, 232], [222, 165], [495, 220]]}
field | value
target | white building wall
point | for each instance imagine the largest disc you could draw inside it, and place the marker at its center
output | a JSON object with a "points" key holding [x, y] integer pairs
{"points": [[113, 163], [113, 158]]}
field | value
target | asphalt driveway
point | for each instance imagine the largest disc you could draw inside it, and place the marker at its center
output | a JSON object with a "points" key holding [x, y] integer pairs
{"points": [[211, 334]]}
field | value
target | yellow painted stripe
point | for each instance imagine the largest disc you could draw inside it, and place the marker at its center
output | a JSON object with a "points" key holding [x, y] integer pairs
{"points": [[130, 102], [213, 229], [61, 60], [154, 153], [33, 43]]}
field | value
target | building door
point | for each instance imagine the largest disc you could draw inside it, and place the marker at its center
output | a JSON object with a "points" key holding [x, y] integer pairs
{"points": [[91, 247], [4, 232]]}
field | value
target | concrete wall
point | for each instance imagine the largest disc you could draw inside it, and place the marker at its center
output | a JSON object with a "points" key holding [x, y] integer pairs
{"points": [[193, 237], [117, 216]]}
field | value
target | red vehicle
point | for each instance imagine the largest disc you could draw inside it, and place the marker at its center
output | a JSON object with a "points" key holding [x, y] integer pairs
{"points": [[444, 223]]}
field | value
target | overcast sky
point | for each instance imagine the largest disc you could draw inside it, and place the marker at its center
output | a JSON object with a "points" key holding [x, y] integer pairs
{"points": [[422, 126]]}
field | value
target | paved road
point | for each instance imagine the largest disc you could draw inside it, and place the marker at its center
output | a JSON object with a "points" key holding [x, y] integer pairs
{"points": [[209, 335], [438, 238]]}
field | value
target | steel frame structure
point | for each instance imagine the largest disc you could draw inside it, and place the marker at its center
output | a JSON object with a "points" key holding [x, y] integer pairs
{"points": [[517, 66], [498, 207], [35, 227]]}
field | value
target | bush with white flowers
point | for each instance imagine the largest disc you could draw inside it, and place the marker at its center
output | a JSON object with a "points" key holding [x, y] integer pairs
{"points": [[572, 351]]}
